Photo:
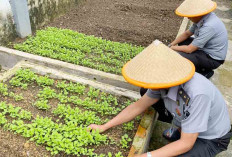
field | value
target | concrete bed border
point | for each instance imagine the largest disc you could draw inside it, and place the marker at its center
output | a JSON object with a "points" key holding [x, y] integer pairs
{"points": [[142, 137], [10, 57], [183, 26], [54, 73]]}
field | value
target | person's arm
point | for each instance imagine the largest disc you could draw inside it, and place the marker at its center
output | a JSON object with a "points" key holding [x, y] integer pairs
{"points": [[204, 35], [191, 126], [129, 113], [183, 145], [185, 48], [182, 37]]}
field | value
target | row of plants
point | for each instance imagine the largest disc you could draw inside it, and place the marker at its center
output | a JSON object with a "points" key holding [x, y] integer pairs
{"points": [[71, 137], [99, 101], [65, 130], [4, 92], [24, 77], [13, 112], [77, 48]]}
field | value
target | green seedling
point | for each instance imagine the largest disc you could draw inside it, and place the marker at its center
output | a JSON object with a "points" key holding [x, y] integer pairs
{"points": [[44, 81], [42, 104], [125, 141], [78, 48], [128, 126], [2, 119], [47, 93], [16, 96], [3, 89]]}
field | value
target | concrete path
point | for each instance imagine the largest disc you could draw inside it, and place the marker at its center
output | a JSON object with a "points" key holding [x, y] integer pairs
{"points": [[223, 75]]}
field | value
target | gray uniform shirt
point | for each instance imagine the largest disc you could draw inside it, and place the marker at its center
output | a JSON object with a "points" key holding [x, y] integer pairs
{"points": [[211, 36], [205, 113]]}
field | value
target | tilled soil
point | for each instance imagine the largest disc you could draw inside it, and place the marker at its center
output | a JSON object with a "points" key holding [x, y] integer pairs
{"points": [[12, 145], [134, 21]]}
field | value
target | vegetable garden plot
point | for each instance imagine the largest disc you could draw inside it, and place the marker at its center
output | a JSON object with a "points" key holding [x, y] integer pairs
{"points": [[55, 113], [77, 48]]}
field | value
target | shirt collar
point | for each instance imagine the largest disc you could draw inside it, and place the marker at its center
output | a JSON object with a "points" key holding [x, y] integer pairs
{"points": [[200, 23], [172, 93]]}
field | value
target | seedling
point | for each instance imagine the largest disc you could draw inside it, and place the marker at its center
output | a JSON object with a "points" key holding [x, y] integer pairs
{"points": [[129, 126], [16, 96], [125, 141], [42, 104], [3, 89], [67, 133], [78, 48]]}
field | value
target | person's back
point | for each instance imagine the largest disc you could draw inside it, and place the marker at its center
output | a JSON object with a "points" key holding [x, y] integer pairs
{"points": [[208, 49], [217, 45], [218, 122]]}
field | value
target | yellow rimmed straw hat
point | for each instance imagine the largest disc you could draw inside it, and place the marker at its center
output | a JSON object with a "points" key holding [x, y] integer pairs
{"points": [[195, 8], [158, 67]]}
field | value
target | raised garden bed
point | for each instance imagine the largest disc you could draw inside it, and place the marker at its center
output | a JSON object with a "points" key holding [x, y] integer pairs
{"points": [[80, 49], [54, 113], [131, 21]]}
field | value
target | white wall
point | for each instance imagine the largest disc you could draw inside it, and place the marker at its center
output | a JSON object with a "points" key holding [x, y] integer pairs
{"points": [[40, 12], [7, 30], [5, 8]]}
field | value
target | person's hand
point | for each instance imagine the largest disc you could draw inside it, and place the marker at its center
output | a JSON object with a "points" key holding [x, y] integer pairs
{"points": [[170, 45], [137, 155], [101, 128]]}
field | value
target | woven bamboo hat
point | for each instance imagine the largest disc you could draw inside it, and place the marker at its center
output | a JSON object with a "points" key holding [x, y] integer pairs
{"points": [[194, 8], [157, 67]]}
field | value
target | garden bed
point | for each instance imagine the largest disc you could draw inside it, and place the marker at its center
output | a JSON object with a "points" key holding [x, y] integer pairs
{"points": [[116, 18], [40, 112], [132, 21], [80, 49]]}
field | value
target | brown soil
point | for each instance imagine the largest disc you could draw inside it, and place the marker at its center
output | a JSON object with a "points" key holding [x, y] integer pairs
{"points": [[12, 145], [134, 21]]}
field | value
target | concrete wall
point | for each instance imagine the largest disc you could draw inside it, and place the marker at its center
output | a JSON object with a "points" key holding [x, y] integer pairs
{"points": [[40, 12], [7, 27]]}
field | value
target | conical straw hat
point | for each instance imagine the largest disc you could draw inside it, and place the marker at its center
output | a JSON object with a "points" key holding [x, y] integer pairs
{"points": [[157, 67], [194, 8]]}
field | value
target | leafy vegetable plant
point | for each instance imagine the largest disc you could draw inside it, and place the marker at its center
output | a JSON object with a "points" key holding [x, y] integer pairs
{"points": [[42, 104], [3, 89], [16, 96], [78, 48], [125, 141], [65, 131]]}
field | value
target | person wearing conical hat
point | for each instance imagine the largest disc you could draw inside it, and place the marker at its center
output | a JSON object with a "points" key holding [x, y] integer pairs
{"points": [[208, 49], [197, 106]]}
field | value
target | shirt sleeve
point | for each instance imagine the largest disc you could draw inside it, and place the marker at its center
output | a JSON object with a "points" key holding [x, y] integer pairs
{"points": [[198, 115], [203, 36], [192, 28], [153, 93]]}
